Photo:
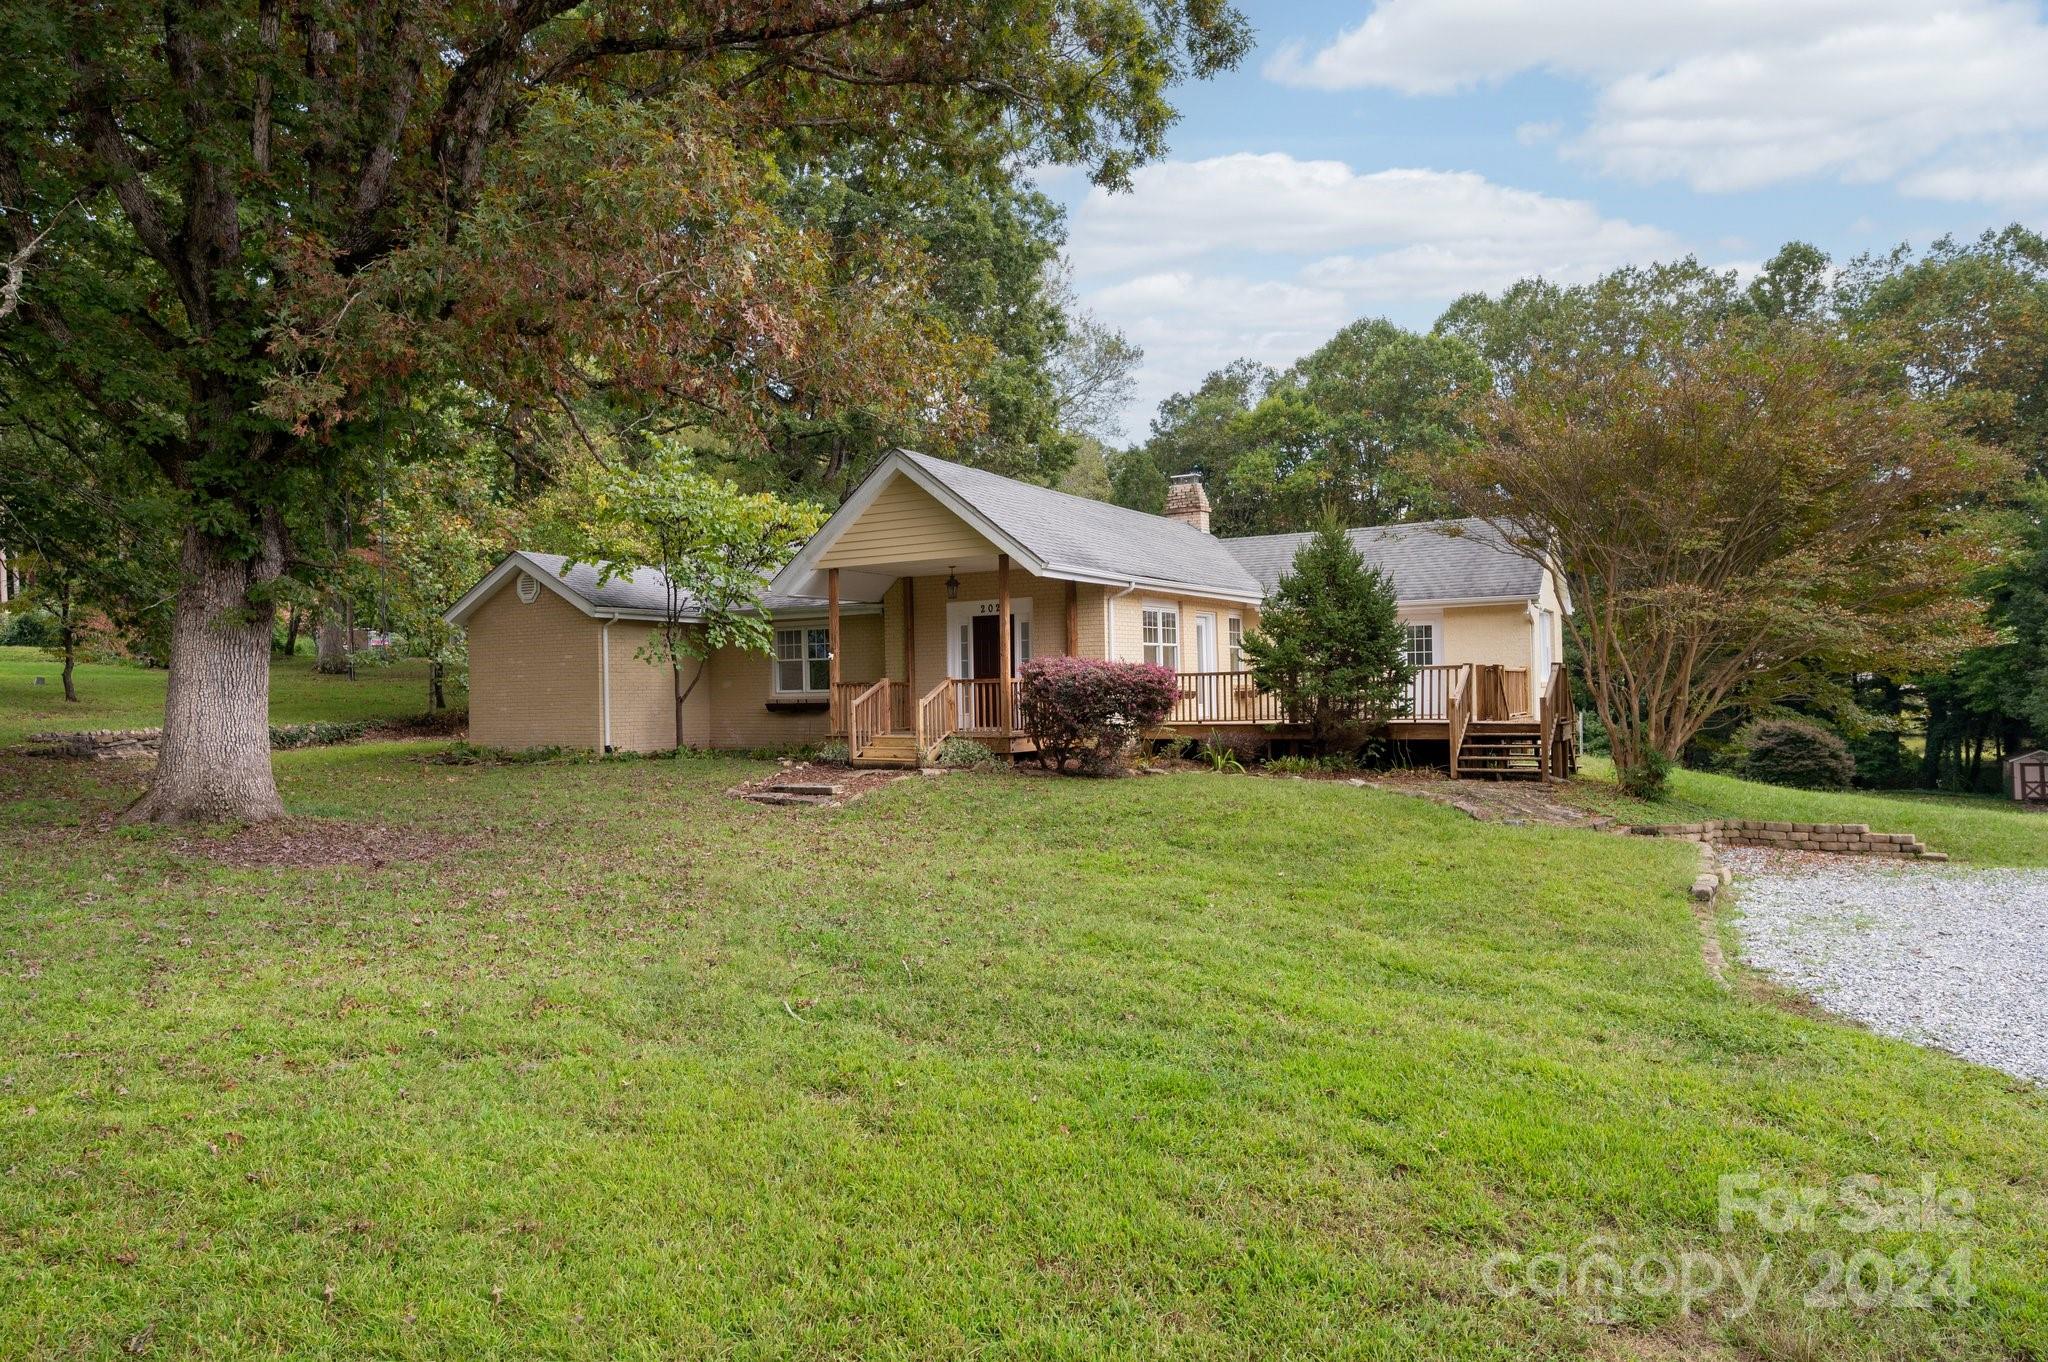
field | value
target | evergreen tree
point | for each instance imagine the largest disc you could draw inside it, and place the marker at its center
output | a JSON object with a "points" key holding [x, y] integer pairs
{"points": [[1329, 641]]}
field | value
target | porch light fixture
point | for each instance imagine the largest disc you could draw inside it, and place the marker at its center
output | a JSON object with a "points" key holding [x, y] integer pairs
{"points": [[952, 586]]}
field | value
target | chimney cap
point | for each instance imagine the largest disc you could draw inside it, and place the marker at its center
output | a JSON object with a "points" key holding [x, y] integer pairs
{"points": [[1185, 478]]}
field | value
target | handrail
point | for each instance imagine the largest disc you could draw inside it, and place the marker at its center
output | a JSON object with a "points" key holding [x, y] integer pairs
{"points": [[840, 704], [1458, 710], [935, 718], [866, 719]]}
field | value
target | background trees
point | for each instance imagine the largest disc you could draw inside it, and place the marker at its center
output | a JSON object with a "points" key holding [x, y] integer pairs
{"points": [[1735, 504], [260, 232]]}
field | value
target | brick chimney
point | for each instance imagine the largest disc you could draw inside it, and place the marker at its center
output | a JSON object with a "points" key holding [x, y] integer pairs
{"points": [[1187, 502]]}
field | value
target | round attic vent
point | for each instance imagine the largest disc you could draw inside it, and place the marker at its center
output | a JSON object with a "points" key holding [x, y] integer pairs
{"points": [[529, 589]]}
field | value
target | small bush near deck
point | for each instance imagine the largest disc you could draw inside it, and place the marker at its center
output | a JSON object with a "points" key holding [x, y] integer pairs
{"points": [[834, 754], [1788, 752], [964, 754], [1090, 711]]}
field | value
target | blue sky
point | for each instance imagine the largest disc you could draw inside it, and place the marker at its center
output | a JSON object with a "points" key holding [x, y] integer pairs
{"points": [[1379, 158]]}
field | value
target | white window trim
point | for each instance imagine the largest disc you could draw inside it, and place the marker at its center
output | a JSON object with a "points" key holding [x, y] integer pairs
{"points": [[1233, 653], [776, 660], [1436, 636], [958, 613], [1160, 608]]}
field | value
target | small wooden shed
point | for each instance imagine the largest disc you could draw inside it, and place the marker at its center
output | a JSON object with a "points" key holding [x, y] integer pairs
{"points": [[2026, 777]]}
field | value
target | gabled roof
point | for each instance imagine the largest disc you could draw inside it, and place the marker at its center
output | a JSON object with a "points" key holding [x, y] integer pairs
{"points": [[641, 594], [1047, 533], [1431, 560], [1078, 536]]}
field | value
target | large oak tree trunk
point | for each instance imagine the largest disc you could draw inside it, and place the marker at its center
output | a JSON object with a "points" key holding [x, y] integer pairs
{"points": [[213, 765]]}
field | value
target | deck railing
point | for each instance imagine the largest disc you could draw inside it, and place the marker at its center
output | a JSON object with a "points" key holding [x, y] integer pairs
{"points": [[872, 714], [1458, 712], [1429, 690], [1223, 698], [843, 696], [937, 718], [979, 704]]}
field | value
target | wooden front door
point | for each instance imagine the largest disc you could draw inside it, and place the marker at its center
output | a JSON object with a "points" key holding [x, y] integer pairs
{"points": [[988, 650], [985, 651]]}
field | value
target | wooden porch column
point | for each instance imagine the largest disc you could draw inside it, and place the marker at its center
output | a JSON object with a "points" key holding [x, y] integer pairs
{"points": [[910, 637], [1003, 639], [1073, 619], [839, 721]]}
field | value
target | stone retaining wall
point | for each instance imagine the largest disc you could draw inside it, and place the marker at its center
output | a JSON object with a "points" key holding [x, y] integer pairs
{"points": [[1849, 839], [98, 744]]}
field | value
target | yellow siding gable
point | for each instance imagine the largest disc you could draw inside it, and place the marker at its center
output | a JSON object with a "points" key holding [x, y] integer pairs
{"points": [[905, 524]]}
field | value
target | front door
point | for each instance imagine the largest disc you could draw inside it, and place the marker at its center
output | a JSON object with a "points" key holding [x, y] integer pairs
{"points": [[1207, 700], [986, 654]]}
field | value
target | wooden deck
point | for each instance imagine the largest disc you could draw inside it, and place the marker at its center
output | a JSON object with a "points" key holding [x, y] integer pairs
{"points": [[1482, 714]]}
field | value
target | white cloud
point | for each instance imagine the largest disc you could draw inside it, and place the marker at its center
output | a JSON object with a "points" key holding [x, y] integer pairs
{"points": [[2019, 178], [1178, 210], [1266, 256], [1725, 94]]}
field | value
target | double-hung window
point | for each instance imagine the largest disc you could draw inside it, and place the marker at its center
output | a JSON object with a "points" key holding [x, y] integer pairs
{"points": [[1162, 636], [1419, 644], [803, 661], [1233, 641]]}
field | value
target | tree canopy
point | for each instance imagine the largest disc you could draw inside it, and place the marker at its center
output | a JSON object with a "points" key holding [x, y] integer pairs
{"points": [[251, 236]]}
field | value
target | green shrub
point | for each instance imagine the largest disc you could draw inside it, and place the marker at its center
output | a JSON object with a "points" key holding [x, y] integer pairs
{"points": [[1647, 779], [1293, 765], [834, 754], [28, 629], [1790, 752], [964, 754]]}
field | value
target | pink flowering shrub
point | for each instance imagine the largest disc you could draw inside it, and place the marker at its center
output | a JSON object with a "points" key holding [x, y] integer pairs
{"points": [[1089, 711]]}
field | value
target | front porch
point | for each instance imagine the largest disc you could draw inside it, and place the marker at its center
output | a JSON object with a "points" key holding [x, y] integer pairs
{"points": [[1484, 715]]}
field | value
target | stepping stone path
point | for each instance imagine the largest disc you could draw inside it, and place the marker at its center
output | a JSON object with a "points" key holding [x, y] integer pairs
{"points": [[798, 792]]}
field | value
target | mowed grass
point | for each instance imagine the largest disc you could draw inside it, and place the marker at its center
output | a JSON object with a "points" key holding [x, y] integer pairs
{"points": [[1982, 829], [117, 695], [991, 1066]]}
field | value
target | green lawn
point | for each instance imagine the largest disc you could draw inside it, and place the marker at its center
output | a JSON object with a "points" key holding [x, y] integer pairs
{"points": [[1978, 828], [122, 696], [1201, 1066]]}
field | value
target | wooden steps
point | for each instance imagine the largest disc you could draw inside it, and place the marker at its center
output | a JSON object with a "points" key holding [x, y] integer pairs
{"points": [[1503, 751], [888, 749]]}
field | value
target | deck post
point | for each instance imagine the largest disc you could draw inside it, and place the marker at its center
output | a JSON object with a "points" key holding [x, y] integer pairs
{"points": [[1073, 619], [910, 636], [840, 721], [1003, 644]]}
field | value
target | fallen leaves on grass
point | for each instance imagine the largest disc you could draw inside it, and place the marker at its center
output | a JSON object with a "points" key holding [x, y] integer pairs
{"points": [[304, 842]]}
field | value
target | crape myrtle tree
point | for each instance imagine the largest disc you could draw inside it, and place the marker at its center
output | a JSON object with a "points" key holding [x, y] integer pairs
{"points": [[1329, 642], [251, 229], [714, 545], [1733, 501]]}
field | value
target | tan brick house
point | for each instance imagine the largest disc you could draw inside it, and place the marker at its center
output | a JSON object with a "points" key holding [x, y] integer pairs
{"points": [[905, 618]]}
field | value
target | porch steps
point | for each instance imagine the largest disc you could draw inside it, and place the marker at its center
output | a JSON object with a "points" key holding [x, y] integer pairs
{"points": [[1502, 753], [888, 749]]}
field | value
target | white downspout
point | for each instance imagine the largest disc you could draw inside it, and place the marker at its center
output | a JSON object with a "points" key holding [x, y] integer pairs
{"points": [[604, 667], [1109, 620]]}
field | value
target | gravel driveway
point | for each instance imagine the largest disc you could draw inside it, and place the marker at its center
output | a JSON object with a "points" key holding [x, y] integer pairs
{"points": [[1944, 956]]}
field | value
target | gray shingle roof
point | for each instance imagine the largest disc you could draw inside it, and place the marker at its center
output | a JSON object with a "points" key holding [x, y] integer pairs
{"points": [[1435, 560], [644, 589], [1094, 537]]}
